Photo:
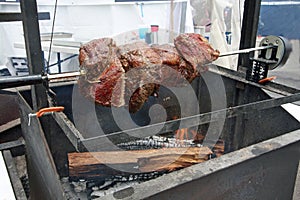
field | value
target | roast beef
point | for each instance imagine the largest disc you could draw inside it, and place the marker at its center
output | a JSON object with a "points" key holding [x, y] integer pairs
{"points": [[103, 72], [195, 49], [137, 60], [127, 75], [171, 58]]}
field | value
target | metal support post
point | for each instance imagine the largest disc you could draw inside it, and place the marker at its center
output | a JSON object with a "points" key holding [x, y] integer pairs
{"points": [[249, 31], [33, 50]]}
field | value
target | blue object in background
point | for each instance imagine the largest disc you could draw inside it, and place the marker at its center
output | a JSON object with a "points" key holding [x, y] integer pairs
{"points": [[142, 32], [280, 20]]}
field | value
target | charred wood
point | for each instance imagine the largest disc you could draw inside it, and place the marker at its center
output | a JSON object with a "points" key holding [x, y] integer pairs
{"points": [[91, 165]]}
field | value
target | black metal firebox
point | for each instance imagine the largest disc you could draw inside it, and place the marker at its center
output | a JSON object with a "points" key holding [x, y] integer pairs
{"points": [[262, 144]]}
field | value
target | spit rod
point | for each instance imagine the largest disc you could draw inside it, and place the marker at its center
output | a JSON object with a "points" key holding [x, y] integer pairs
{"points": [[244, 51], [16, 81]]}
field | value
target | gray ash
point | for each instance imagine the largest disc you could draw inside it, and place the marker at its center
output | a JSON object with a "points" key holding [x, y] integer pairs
{"points": [[91, 189], [156, 142]]}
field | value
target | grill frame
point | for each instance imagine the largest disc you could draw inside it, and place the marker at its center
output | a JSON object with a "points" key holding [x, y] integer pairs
{"points": [[51, 147], [260, 114]]}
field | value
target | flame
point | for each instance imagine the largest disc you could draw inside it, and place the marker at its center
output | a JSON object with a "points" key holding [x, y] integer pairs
{"points": [[186, 133], [180, 134], [183, 134]]}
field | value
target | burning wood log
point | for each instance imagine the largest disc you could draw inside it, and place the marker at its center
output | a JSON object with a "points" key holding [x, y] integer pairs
{"points": [[89, 165], [219, 148]]}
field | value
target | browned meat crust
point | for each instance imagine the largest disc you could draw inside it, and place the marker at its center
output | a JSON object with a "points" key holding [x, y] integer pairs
{"points": [[110, 80]]}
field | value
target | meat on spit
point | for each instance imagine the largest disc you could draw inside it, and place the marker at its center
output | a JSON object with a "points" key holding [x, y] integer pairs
{"points": [[110, 81]]}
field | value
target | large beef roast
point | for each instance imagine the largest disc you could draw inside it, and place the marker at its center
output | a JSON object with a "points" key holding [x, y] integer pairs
{"points": [[137, 59], [103, 72], [195, 49], [170, 57], [127, 75]]}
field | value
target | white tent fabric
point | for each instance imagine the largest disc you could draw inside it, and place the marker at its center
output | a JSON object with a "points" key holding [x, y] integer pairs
{"points": [[95, 19], [122, 21], [218, 30]]}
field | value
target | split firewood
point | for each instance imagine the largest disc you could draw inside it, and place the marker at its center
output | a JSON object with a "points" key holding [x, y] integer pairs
{"points": [[219, 147], [109, 163]]}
